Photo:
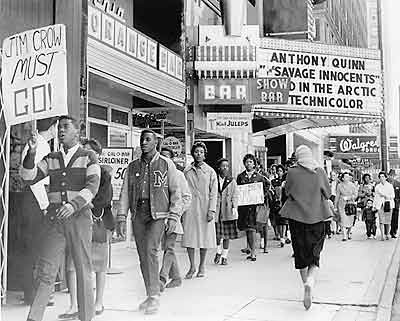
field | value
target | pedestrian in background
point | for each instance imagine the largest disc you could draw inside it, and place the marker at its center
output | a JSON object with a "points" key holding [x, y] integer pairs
{"points": [[282, 223], [346, 193], [227, 213], [198, 224], [384, 203], [170, 268], [151, 192], [308, 191], [333, 182], [369, 217], [395, 213], [74, 181], [103, 225], [247, 220]]}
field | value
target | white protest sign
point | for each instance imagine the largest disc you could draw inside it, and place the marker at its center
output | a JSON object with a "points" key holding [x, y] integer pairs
{"points": [[34, 74], [118, 159], [251, 194]]}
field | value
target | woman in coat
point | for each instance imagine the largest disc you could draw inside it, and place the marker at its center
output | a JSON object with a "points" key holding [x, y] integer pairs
{"points": [[384, 203], [346, 192], [247, 220], [198, 220], [227, 214], [308, 191]]}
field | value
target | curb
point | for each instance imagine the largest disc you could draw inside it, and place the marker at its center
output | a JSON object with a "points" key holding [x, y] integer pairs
{"points": [[384, 310]]}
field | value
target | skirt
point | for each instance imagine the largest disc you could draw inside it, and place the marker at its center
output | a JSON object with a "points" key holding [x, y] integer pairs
{"points": [[226, 230], [385, 217], [247, 218], [307, 242]]}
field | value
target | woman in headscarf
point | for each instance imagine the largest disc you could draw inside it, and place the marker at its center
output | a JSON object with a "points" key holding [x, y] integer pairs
{"points": [[307, 207]]}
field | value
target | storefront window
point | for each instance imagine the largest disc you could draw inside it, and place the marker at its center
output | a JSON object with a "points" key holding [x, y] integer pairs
{"points": [[119, 117], [98, 112], [207, 16], [99, 132], [118, 137]]}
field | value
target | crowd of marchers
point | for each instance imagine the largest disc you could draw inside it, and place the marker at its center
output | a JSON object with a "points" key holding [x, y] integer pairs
{"points": [[199, 203]]}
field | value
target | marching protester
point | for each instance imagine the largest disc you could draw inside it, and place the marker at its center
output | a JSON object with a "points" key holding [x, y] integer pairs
{"points": [[151, 192], [103, 224], [227, 214], [74, 181], [384, 203], [34, 205], [307, 208], [170, 268], [247, 219], [395, 213], [346, 195], [198, 223]]}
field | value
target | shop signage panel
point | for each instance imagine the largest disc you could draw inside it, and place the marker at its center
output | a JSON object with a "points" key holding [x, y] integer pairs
{"points": [[327, 83], [365, 145], [109, 28], [117, 160], [228, 122], [34, 74], [224, 91]]}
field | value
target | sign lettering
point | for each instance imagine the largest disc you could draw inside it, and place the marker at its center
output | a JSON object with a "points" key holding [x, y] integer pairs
{"points": [[34, 68]]}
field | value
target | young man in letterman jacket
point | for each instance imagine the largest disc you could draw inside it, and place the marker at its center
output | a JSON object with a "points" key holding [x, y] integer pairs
{"points": [[151, 192]]}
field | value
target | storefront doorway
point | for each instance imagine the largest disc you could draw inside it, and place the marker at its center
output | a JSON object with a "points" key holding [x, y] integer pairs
{"points": [[215, 151]]}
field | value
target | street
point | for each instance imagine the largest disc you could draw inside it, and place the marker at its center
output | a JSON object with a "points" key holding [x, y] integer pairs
{"points": [[349, 286]]}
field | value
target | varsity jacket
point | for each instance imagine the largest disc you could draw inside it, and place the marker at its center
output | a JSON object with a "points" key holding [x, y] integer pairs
{"points": [[165, 194], [76, 184]]}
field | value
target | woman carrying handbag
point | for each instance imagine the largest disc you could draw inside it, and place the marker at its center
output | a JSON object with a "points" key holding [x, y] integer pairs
{"points": [[384, 203]]}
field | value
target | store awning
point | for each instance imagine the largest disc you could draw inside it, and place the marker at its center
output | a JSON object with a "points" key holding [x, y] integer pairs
{"points": [[294, 121]]}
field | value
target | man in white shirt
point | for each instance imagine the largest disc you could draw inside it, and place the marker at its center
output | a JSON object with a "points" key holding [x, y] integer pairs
{"points": [[35, 204]]}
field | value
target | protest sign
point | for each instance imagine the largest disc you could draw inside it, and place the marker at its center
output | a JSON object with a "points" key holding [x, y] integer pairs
{"points": [[251, 194], [118, 160], [34, 74]]}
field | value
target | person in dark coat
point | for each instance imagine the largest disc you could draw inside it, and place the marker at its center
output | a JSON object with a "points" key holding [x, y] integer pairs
{"points": [[307, 207], [247, 220]]}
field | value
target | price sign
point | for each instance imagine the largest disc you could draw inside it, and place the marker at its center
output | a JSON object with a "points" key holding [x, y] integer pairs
{"points": [[118, 160]]}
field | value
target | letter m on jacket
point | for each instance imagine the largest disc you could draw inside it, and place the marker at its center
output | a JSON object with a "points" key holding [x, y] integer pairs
{"points": [[160, 179]]}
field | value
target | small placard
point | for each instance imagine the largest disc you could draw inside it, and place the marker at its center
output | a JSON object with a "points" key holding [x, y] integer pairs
{"points": [[251, 194]]}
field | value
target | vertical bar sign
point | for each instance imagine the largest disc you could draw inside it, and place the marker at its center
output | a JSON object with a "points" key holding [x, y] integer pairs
{"points": [[34, 74]]}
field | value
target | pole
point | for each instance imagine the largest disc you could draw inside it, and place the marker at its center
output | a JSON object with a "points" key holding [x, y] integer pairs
{"points": [[383, 130]]}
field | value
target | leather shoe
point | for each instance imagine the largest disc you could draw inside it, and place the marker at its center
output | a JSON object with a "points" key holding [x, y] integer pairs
{"points": [[174, 283], [98, 312], [224, 261], [217, 258], [143, 305], [153, 306]]}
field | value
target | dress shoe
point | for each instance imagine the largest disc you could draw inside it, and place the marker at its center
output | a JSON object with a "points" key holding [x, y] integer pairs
{"points": [[190, 274], [394, 237], [99, 312], [153, 306], [162, 286], [143, 305], [68, 315], [217, 258], [174, 283], [245, 251], [224, 261]]}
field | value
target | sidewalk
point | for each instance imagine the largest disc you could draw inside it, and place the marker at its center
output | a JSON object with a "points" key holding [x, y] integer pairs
{"points": [[349, 286]]}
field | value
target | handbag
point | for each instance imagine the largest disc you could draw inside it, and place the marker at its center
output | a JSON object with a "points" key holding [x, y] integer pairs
{"points": [[350, 209], [262, 214], [386, 207], [99, 232]]}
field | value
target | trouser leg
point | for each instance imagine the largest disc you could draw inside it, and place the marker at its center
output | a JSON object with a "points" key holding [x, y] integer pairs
{"points": [[154, 232], [50, 254], [368, 228], [79, 241], [169, 258], [139, 232], [395, 222]]}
